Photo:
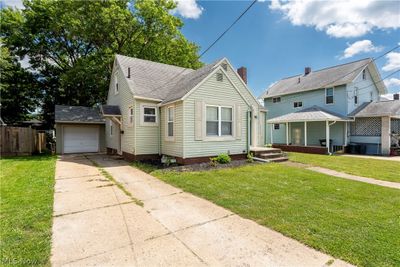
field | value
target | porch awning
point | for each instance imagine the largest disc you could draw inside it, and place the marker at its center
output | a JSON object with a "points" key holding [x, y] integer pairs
{"points": [[112, 111], [378, 109], [314, 113]]}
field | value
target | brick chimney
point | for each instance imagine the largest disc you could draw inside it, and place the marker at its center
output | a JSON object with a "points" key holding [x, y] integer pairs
{"points": [[396, 96], [242, 71], [307, 71]]}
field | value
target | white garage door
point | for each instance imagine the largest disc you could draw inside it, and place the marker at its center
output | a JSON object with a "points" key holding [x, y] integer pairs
{"points": [[79, 139]]}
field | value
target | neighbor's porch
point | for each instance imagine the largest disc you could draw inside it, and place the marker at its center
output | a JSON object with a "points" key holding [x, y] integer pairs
{"points": [[308, 131]]}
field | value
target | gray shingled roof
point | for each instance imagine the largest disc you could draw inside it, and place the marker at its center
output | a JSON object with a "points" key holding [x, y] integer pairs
{"points": [[110, 110], [328, 77], [314, 113], [161, 81], [377, 109], [77, 114]]}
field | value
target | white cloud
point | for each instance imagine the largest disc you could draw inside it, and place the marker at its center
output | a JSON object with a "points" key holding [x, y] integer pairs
{"points": [[364, 46], [392, 82], [393, 61], [188, 9], [12, 3], [351, 18]]}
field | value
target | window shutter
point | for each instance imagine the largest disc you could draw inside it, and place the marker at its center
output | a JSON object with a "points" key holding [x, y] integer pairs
{"points": [[198, 120], [238, 122]]}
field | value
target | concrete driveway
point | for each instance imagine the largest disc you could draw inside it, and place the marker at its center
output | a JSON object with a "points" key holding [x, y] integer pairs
{"points": [[96, 223]]}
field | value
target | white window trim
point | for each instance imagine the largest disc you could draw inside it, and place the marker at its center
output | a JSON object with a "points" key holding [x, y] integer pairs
{"points": [[356, 97], [142, 122], [131, 116], [364, 74], [333, 96], [111, 124], [167, 121], [298, 106], [116, 84], [219, 137], [278, 97]]}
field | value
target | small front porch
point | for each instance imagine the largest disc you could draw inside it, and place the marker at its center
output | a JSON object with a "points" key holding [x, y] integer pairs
{"points": [[312, 130]]}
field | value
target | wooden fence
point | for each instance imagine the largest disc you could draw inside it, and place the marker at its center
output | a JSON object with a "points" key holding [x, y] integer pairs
{"points": [[18, 141]]}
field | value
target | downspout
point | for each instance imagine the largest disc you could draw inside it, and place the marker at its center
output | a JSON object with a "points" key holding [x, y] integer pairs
{"points": [[159, 131], [248, 133], [265, 128]]}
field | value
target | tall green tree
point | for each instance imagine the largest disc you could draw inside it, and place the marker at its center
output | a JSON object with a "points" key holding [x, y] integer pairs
{"points": [[71, 44], [19, 89]]}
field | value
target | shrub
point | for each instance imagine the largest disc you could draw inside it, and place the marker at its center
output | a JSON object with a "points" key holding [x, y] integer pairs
{"points": [[223, 158], [213, 161], [250, 157]]}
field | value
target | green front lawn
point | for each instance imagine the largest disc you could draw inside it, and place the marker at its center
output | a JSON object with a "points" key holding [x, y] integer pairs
{"points": [[354, 221], [373, 168], [27, 187]]}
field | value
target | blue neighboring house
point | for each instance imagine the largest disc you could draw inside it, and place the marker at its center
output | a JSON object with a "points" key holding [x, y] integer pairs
{"points": [[340, 104]]}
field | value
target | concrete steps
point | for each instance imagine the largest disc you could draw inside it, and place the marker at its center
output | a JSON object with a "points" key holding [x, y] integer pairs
{"points": [[269, 154]]}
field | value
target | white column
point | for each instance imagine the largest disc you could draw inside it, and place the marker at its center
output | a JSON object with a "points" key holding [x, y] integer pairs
{"points": [[327, 135], [345, 133], [305, 133], [385, 136], [287, 133], [272, 138]]}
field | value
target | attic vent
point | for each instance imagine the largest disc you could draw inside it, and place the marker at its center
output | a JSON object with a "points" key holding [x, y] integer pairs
{"points": [[220, 77], [224, 66]]}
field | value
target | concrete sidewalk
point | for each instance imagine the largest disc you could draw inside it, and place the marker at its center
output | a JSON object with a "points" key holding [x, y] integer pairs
{"points": [[95, 223]]}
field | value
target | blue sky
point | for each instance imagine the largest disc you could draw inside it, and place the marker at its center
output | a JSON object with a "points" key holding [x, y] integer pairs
{"points": [[278, 38], [271, 46]]}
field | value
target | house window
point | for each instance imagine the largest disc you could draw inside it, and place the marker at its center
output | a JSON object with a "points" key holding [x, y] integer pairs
{"points": [[219, 121], [130, 116], [220, 77], [371, 97], [276, 99], [329, 96], [364, 75], [356, 96], [298, 104], [116, 86], [170, 121], [111, 128], [149, 114], [276, 126]]}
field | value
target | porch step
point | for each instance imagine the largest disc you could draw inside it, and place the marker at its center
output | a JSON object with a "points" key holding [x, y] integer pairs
{"points": [[271, 155], [280, 159]]}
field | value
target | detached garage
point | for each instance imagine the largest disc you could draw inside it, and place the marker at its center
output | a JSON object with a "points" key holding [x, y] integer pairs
{"points": [[79, 130]]}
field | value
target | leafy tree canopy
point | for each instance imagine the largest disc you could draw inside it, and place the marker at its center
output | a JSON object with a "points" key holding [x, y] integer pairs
{"points": [[71, 44]]}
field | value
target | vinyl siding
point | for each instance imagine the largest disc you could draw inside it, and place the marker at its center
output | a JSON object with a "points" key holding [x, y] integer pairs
{"points": [[364, 93], [124, 99], [172, 147], [147, 137], [309, 99], [213, 92]]}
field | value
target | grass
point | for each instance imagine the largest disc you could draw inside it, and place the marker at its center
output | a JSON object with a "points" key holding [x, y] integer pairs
{"points": [[373, 168], [354, 221], [27, 188], [143, 166], [115, 182]]}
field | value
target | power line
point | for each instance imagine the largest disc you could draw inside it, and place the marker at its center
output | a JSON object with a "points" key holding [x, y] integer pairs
{"points": [[211, 45]]}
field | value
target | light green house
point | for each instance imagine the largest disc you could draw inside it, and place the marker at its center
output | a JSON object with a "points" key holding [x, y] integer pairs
{"points": [[155, 109]]}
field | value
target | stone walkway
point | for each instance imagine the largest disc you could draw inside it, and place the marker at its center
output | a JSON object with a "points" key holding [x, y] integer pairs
{"points": [[96, 223]]}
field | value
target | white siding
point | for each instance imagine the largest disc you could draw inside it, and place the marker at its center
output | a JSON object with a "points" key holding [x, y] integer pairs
{"points": [[172, 147], [124, 99], [365, 88], [147, 137], [213, 92]]}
